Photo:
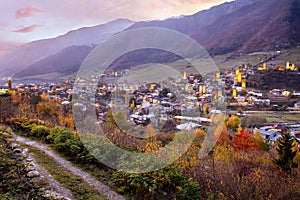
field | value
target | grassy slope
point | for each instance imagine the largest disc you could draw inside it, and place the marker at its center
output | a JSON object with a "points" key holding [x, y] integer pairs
{"points": [[275, 118], [292, 56], [204, 66]]}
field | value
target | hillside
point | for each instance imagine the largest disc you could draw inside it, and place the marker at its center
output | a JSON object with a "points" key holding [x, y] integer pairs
{"points": [[245, 27], [261, 26], [65, 62]]}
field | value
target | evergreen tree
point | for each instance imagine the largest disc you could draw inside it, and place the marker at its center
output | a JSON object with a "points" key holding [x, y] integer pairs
{"points": [[286, 153]]}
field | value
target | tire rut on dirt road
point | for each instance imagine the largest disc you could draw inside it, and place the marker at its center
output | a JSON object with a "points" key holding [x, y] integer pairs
{"points": [[94, 183], [52, 182]]}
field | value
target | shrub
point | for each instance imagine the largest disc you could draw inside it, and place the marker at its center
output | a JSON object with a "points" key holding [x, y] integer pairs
{"points": [[39, 131], [167, 183]]}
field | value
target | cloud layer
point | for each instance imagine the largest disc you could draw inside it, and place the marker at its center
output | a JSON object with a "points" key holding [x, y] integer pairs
{"points": [[26, 29], [28, 11]]}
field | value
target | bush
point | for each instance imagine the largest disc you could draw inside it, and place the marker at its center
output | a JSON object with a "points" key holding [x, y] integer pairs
{"points": [[67, 142], [167, 183], [39, 131]]}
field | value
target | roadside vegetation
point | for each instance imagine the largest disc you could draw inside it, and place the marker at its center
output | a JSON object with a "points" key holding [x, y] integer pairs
{"points": [[79, 188], [14, 183]]}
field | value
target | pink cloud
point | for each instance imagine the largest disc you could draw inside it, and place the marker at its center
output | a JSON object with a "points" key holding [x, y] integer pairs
{"points": [[27, 29], [175, 4], [7, 46], [27, 12]]}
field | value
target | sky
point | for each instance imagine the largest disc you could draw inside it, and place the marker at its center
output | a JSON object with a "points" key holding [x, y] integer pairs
{"points": [[23, 21]]}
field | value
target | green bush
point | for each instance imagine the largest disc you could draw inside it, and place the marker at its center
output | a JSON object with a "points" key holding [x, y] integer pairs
{"points": [[65, 141], [168, 183], [39, 131]]}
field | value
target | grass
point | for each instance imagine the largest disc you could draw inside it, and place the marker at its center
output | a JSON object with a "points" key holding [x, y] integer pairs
{"points": [[292, 117], [292, 56], [283, 118], [78, 187], [225, 64], [98, 173]]}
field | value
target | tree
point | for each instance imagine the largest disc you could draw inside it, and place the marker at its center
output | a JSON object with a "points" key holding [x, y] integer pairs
{"points": [[260, 141], [205, 109], [110, 121], [224, 138], [164, 92], [285, 149], [244, 141], [44, 96], [47, 109], [232, 123]]}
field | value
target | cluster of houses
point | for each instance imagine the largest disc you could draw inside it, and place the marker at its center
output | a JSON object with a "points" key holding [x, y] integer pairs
{"points": [[273, 132], [152, 102], [254, 87], [62, 92]]}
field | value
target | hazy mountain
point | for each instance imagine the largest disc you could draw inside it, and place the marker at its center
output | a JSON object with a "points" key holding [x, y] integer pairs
{"points": [[30, 53], [65, 62]]}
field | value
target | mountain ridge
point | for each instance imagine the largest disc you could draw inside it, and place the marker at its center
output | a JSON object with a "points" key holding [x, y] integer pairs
{"points": [[188, 24], [257, 27]]}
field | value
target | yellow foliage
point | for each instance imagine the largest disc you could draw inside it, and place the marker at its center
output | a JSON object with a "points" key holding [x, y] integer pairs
{"points": [[233, 123], [44, 96], [295, 146], [225, 153], [66, 121], [47, 109], [24, 110], [200, 132], [15, 97]]}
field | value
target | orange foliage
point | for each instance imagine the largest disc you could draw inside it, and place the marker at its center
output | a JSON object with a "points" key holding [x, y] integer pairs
{"points": [[224, 137], [244, 141]]}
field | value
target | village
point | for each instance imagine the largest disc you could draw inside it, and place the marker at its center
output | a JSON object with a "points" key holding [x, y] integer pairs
{"points": [[188, 102]]}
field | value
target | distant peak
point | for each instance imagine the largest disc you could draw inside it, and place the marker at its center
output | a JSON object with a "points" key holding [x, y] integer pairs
{"points": [[122, 20]]}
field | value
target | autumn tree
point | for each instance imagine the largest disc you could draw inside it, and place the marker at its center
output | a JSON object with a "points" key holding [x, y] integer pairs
{"points": [[66, 120], [206, 109], [48, 111], [24, 110], [286, 152], [260, 141], [244, 141], [14, 96], [232, 123], [224, 137], [44, 96]]}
